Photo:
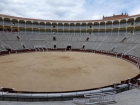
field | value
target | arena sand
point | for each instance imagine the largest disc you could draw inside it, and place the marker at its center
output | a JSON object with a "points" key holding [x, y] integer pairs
{"points": [[62, 71]]}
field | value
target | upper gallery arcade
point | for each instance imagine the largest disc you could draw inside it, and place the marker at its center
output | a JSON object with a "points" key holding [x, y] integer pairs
{"points": [[116, 24]]}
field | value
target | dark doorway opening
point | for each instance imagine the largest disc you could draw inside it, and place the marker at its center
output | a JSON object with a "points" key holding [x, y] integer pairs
{"points": [[18, 37], [90, 33], [87, 39], [68, 47], [54, 46], [83, 47], [24, 46], [54, 38], [14, 24], [132, 23], [9, 50], [131, 32]]}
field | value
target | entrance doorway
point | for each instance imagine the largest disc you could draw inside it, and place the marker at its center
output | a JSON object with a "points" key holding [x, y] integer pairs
{"points": [[23, 46], [54, 46], [68, 47], [83, 47], [54, 39]]}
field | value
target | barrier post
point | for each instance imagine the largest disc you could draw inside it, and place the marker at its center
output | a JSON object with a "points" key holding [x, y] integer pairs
{"points": [[114, 85], [2, 93], [129, 84], [138, 65]]}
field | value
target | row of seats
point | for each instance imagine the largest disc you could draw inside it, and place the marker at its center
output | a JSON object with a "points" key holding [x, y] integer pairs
{"points": [[127, 44]]}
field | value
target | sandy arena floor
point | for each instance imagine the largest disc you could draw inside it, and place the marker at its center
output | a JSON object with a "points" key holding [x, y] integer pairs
{"points": [[62, 71]]}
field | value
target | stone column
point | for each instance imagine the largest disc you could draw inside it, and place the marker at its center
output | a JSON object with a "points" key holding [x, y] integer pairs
{"points": [[39, 26], [18, 26], [3, 23], [32, 27], [51, 28], [99, 28], [115, 85], [86, 28], [57, 27], [126, 26], [11, 24], [105, 27], [134, 26], [63, 28], [25, 26], [119, 28], [129, 84]]}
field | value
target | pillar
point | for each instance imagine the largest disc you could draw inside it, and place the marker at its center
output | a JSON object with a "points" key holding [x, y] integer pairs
{"points": [[39, 26], [3, 23], [99, 28], [11, 25], [57, 28], [129, 84], [51, 28], [92, 28], [32, 27], [63, 28], [134, 26], [18, 26], [105, 28], [119, 28], [45, 27], [80, 28], [115, 85], [25, 26]]}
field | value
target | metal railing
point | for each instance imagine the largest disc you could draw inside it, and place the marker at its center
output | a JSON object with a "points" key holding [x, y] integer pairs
{"points": [[96, 98]]}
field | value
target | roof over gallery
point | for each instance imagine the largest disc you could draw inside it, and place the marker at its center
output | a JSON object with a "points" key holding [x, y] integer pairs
{"points": [[107, 18]]}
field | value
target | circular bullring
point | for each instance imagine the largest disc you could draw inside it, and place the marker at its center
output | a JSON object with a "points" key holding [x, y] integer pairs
{"points": [[62, 71]]}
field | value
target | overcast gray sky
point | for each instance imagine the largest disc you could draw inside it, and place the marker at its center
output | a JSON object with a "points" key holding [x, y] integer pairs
{"points": [[68, 9]]}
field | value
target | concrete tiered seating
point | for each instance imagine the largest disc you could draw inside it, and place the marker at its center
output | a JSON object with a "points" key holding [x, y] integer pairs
{"points": [[23, 36], [3, 36], [133, 39], [124, 47], [1, 48], [119, 38], [110, 38], [103, 46], [111, 46], [27, 44], [31, 36], [41, 36], [49, 37], [115, 43], [15, 45], [135, 51], [93, 38], [38, 42], [75, 38], [95, 45], [11, 36], [88, 45], [74, 45]]}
